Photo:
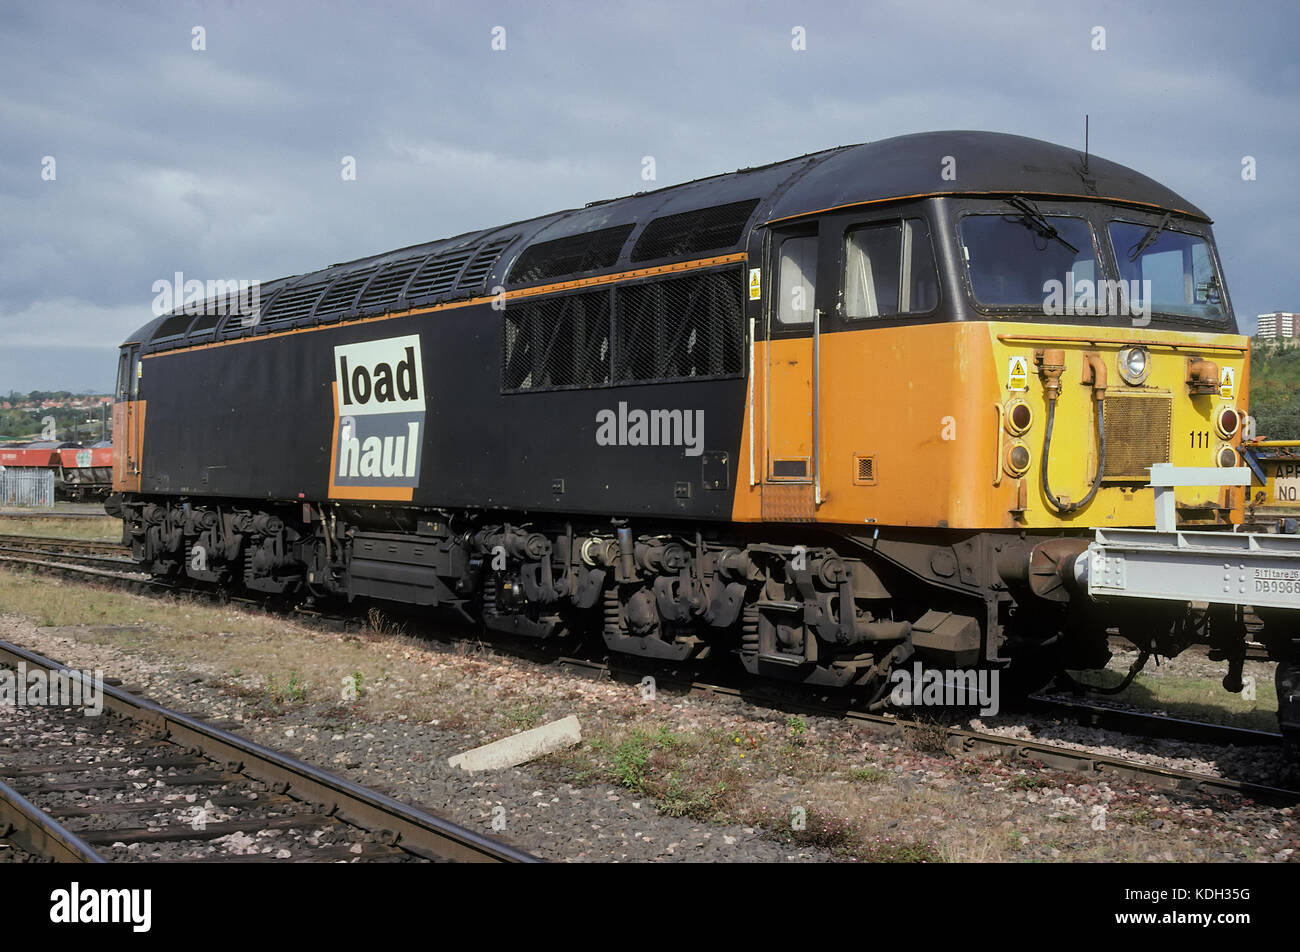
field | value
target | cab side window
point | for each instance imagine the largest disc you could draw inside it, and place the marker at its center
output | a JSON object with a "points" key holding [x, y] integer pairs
{"points": [[124, 376], [889, 270], [797, 284]]}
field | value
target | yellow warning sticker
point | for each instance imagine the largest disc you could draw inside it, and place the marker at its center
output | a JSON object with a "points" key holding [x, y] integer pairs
{"points": [[755, 283], [1018, 372], [1227, 382]]}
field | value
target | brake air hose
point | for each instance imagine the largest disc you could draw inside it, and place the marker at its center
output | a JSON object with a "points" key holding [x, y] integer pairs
{"points": [[1065, 508], [1067, 680]]}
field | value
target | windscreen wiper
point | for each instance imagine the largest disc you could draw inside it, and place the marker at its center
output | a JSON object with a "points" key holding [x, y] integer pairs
{"points": [[1034, 219], [1152, 234]]}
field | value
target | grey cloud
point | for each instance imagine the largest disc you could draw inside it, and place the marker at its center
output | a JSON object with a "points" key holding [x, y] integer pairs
{"points": [[225, 163]]}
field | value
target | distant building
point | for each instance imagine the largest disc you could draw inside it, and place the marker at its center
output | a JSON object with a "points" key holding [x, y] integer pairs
{"points": [[1280, 325]]}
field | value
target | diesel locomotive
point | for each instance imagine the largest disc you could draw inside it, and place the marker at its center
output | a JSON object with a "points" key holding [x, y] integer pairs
{"points": [[837, 414]]}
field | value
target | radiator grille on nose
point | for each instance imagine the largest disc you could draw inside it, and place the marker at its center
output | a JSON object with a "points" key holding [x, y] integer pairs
{"points": [[1137, 434]]}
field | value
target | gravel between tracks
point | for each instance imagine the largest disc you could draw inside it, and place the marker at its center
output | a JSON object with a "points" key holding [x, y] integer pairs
{"points": [[896, 800], [408, 760]]}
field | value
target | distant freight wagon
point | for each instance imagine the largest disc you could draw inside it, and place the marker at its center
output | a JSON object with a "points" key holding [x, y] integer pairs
{"points": [[80, 472]]}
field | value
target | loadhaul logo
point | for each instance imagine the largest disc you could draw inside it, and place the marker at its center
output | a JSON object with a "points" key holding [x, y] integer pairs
{"points": [[379, 419]]}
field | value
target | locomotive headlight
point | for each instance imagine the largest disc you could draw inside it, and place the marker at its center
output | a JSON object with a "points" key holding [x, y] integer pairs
{"points": [[1017, 459], [1226, 456], [1226, 422], [1134, 364]]}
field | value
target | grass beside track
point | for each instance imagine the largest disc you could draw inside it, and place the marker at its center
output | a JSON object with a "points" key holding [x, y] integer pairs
{"points": [[1193, 691], [52, 527], [865, 799]]}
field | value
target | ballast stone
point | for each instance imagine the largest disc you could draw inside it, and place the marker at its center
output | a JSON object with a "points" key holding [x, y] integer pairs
{"points": [[520, 748]]}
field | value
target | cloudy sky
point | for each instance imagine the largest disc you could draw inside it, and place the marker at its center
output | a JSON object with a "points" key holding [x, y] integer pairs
{"points": [[226, 162]]}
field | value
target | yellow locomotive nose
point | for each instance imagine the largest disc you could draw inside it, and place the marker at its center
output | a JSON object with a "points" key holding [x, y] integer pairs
{"points": [[1096, 414]]}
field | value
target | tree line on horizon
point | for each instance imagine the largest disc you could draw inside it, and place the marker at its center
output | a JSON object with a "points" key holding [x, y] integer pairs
{"points": [[25, 423], [1275, 390]]}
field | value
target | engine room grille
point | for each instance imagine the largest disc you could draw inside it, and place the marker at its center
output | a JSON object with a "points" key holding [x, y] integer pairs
{"points": [[560, 257], [694, 232], [557, 342], [1137, 434], [176, 323], [685, 327]]}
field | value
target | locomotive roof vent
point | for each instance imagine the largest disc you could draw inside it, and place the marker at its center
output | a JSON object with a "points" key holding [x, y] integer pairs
{"points": [[481, 264], [342, 294], [293, 303], [438, 274], [574, 254], [694, 232], [387, 285]]}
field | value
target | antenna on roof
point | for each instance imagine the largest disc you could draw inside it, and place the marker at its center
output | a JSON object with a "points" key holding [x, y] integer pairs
{"points": [[1085, 142]]}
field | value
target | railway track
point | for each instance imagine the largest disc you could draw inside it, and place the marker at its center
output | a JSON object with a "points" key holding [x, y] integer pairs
{"points": [[1088, 762], [107, 555], [86, 546], [1056, 756], [53, 514], [92, 789], [1254, 650], [1145, 724]]}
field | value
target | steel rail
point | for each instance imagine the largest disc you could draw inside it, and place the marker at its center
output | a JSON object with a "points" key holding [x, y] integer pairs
{"points": [[1147, 724], [57, 542], [87, 559], [399, 825], [1082, 760], [28, 826]]}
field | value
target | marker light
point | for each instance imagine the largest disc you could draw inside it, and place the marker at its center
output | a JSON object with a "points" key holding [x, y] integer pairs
{"points": [[1134, 364], [1019, 417], [1226, 456], [1226, 422]]}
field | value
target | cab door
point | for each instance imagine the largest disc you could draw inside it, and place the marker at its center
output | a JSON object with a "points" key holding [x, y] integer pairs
{"points": [[128, 421], [790, 467]]}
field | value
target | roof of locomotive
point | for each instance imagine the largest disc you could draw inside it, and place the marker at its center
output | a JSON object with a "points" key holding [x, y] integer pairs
{"points": [[980, 163], [904, 167]]}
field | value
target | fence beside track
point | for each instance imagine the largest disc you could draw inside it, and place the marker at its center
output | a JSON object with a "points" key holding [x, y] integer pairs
{"points": [[27, 488]]}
